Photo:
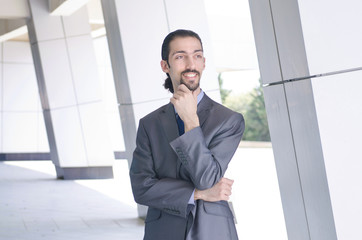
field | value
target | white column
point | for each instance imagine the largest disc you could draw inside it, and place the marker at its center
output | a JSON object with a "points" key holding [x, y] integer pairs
{"points": [[70, 93], [333, 48], [309, 58]]}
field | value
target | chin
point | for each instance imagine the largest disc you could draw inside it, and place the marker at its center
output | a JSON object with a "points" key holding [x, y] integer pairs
{"points": [[191, 86]]}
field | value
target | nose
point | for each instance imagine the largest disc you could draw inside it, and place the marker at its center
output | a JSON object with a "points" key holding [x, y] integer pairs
{"points": [[190, 64]]}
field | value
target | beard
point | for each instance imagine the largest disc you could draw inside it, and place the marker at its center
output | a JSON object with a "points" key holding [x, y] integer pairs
{"points": [[192, 86]]}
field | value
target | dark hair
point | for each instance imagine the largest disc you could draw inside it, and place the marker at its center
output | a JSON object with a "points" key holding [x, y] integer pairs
{"points": [[165, 51]]}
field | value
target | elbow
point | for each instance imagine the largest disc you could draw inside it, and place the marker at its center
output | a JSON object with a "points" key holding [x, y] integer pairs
{"points": [[138, 197], [208, 178], [138, 193]]}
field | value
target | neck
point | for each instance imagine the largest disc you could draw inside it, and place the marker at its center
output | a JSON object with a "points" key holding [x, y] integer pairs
{"points": [[197, 90]]}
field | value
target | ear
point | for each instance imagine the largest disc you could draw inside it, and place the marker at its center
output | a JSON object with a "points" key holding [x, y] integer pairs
{"points": [[164, 66], [204, 63]]}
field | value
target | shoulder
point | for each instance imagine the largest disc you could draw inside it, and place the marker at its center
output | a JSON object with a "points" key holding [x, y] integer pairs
{"points": [[222, 111], [153, 116]]}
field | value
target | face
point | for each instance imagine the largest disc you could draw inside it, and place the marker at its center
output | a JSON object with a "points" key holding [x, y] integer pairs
{"points": [[186, 62]]}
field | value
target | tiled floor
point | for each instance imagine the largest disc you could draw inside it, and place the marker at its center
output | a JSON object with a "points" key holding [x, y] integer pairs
{"points": [[35, 205]]}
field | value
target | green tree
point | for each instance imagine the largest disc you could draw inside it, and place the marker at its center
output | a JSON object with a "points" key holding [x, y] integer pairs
{"points": [[252, 106], [223, 92]]}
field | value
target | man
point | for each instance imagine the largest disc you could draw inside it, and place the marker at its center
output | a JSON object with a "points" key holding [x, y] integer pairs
{"points": [[183, 150]]}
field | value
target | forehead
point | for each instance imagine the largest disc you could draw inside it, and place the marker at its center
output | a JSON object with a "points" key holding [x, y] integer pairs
{"points": [[186, 44]]}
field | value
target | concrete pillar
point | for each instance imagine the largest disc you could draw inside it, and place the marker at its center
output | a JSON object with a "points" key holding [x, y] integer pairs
{"points": [[310, 64], [69, 89], [135, 32]]}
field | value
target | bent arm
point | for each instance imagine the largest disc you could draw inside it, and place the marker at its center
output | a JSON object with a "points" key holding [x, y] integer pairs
{"points": [[167, 194], [207, 164]]}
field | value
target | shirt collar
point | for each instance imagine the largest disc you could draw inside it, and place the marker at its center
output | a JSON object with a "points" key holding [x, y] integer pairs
{"points": [[200, 96]]}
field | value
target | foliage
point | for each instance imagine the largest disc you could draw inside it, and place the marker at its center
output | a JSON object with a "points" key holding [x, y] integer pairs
{"points": [[252, 106], [223, 92]]}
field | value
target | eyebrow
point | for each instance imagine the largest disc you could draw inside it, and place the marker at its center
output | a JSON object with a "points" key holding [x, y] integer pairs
{"points": [[198, 50]]}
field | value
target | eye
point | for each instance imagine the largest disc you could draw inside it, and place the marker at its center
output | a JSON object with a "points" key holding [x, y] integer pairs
{"points": [[199, 56], [179, 57]]}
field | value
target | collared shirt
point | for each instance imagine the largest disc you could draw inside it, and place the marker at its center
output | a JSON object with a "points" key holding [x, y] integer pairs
{"points": [[200, 96]]}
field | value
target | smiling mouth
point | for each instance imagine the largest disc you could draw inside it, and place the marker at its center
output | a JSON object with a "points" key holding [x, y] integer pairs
{"points": [[190, 74]]}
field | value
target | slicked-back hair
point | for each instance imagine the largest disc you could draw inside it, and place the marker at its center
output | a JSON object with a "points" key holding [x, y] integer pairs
{"points": [[165, 51]]}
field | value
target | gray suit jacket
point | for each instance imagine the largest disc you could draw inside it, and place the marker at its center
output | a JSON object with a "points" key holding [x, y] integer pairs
{"points": [[166, 168]]}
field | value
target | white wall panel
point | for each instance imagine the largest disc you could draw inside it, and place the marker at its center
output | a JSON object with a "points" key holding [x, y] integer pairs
{"points": [[1, 80], [1, 131], [1, 98], [72, 149], [338, 103], [214, 95], [57, 73], [20, 88], [17, 52], [46, 28], [101, 51], [42, 138], [143, 30], [142, 109], [84, 69], [109, 95], [77, 23], [93, 123], [19, 132], [115, 131], [209, 79], [331, 35]]}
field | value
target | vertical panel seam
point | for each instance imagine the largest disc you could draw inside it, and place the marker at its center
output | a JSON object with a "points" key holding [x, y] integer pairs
{"points": [[2, 96], [75, 93], [167, 20], [290, 123]]}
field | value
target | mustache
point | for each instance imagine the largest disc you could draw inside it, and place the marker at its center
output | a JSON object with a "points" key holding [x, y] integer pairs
{"points": [[190, 71]]}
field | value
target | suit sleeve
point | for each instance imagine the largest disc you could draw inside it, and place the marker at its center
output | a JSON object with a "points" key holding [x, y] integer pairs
{"points": [[207, 164], [167, 194]]}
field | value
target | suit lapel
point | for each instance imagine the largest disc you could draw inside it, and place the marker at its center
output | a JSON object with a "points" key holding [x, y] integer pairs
{"points": [[168, 120], [203, 110]]}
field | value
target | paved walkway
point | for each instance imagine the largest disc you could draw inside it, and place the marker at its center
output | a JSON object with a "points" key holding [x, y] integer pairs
{"points": [[35, 205]]}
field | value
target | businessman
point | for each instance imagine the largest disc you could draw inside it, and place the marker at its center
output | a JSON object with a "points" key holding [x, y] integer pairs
{"points": [[183, 150]]}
